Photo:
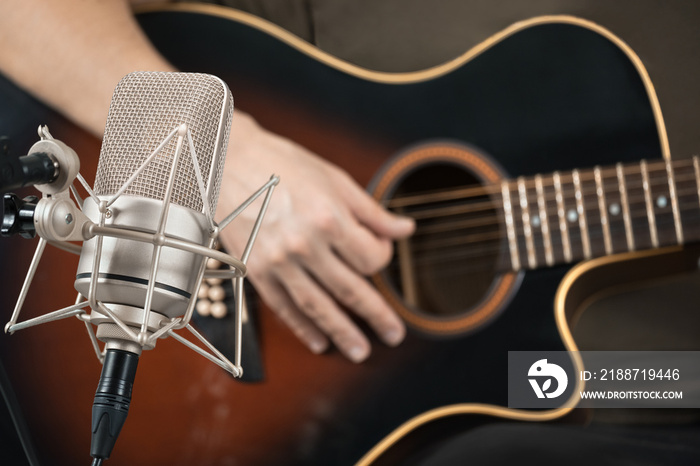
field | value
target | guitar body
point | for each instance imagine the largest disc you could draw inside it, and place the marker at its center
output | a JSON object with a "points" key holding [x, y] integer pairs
{"points": [[551, 95]]}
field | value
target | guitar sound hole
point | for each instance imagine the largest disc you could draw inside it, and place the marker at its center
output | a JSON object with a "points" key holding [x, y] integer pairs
{"points": [[448, 266], [452, 275]]}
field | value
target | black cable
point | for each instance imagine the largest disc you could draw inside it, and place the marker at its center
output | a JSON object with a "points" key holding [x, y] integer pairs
{"points": [[112, 401], [17, 419]]}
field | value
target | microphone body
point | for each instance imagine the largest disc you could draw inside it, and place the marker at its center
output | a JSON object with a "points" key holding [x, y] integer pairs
{"points": [[144, 281], [125, 265], [145, 109]]}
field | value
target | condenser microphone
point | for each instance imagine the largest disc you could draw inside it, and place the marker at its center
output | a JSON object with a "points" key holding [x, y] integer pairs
{"points": [[146, 109], [147, 230]]}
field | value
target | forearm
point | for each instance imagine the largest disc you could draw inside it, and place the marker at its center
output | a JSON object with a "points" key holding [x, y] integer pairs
{"points": [[71, 53]]}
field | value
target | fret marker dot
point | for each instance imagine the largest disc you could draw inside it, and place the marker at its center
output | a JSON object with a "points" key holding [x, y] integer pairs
{"points": [[661, 201], [536, 221], [614, 209], [571, 215]]}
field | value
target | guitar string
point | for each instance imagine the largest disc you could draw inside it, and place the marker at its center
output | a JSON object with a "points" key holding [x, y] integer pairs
{"points": [[592, 211], [450, 268], [498, 236], [566, 176], [451, 264], [592, 214], [610, 190], [496, 244], [637, 210], [482, 223], [497, 248], [497, 251], [654, 167]]}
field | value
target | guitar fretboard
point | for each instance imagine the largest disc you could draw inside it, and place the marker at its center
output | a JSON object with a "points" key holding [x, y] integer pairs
{"points": [[569, 216]]}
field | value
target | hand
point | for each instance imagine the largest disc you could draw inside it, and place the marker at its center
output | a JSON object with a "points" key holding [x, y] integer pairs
{"points": [[321, 236]]}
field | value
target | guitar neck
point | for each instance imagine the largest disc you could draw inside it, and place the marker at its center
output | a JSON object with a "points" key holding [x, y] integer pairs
{"points": [[565, 217]]}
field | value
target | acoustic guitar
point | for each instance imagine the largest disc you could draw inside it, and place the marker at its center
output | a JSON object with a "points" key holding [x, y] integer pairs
{"points": [[539, 148]]}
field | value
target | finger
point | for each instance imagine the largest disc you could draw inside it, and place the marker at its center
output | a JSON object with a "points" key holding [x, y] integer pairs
{"points": [[279, 301], [382, 222], [318, 306], [355, 293], [361, 249]]}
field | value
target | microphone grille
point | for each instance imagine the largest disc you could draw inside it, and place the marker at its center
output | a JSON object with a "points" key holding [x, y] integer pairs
{"points": [[145, 108]]}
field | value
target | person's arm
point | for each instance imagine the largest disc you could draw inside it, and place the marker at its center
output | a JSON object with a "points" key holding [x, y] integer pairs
{"points": [[72, 53]]}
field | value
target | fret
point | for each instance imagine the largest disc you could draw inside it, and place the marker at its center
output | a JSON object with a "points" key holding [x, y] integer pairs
{"points": [[527, 226], [696, 167], [544, 221], [649, 204], [582, 220], [561, 213], [664, 195], [625, 207], [612, 222], [602, 206], [674, 202], [687, 181], [510, 227]]}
